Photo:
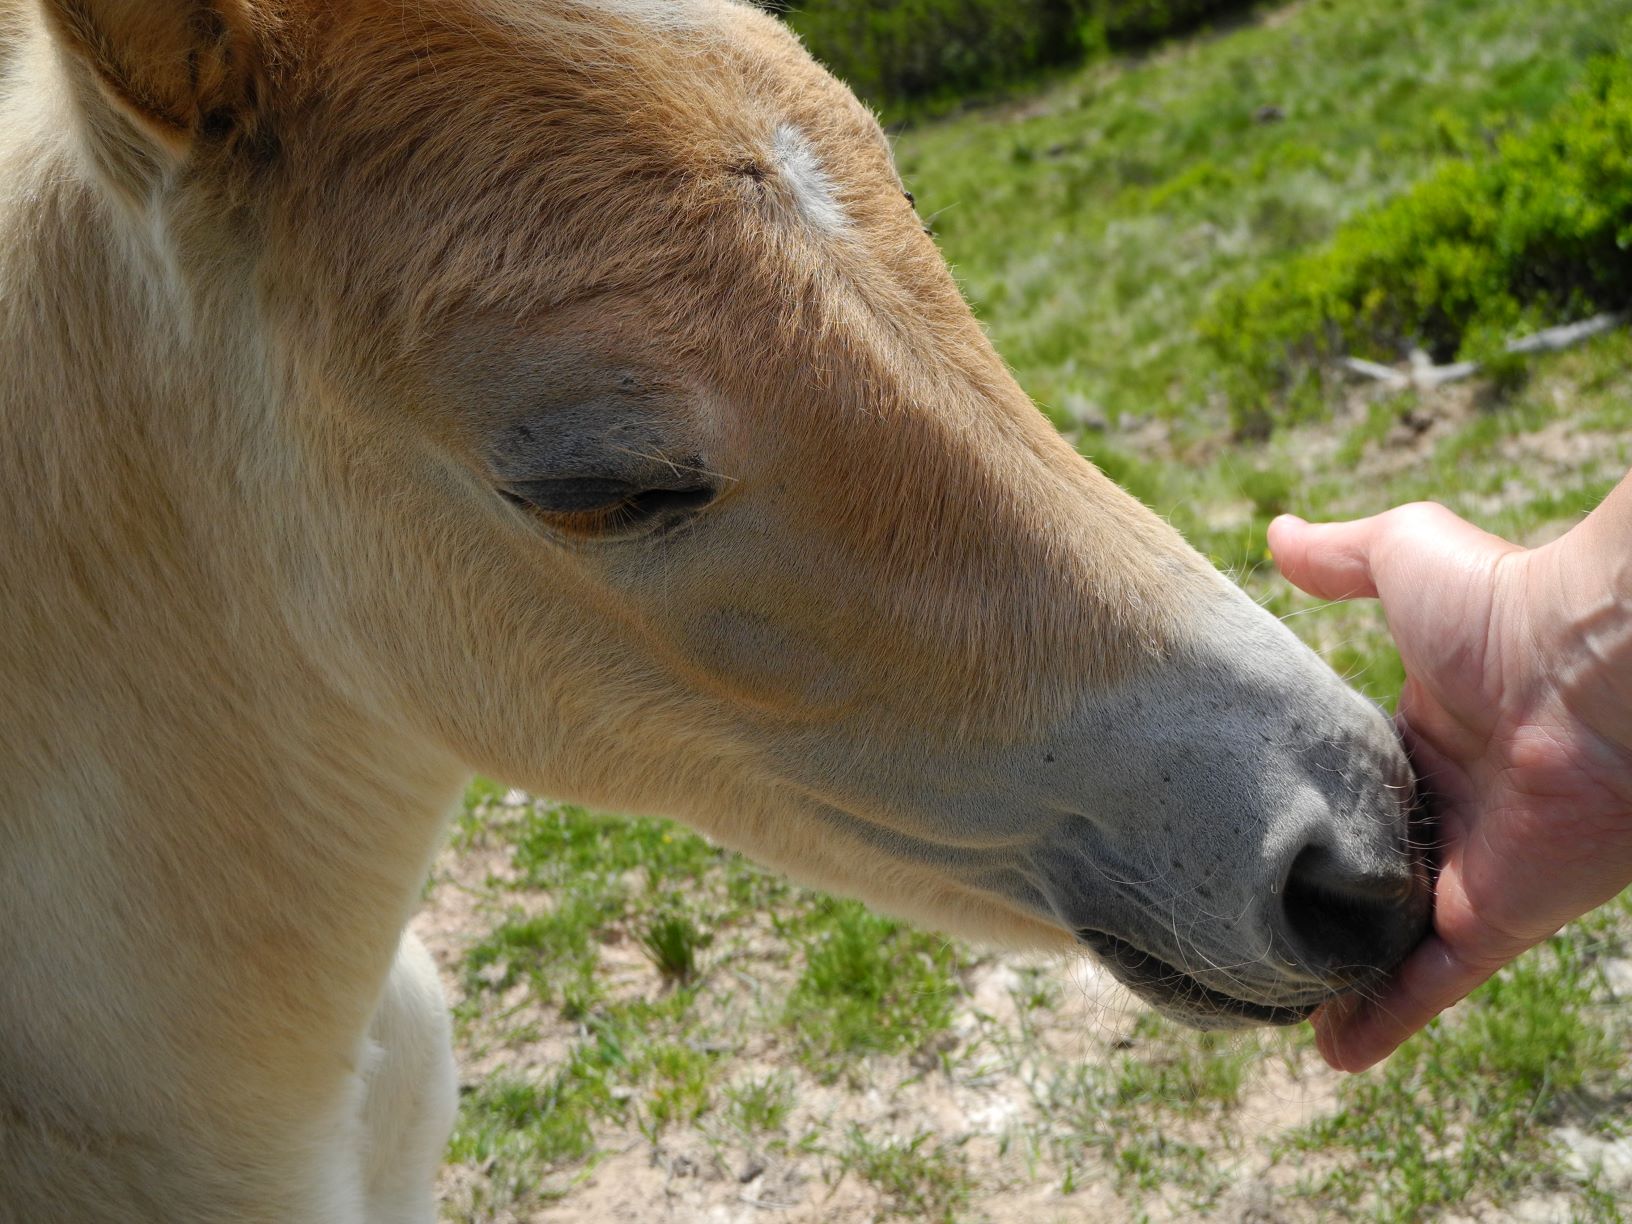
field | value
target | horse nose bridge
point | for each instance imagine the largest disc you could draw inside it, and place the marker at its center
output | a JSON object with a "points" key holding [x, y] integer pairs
{"points": [[1011, 574], [1233, 762]]}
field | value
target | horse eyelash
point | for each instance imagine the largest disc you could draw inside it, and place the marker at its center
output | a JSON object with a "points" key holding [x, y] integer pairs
{"points": [[913, 201]]}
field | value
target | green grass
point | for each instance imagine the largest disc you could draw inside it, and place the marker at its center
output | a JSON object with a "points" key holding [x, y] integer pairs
{"points": [[760, 1105], [869, 985], [530, 1127], [682, 1086], [632, 1068], [568, 844], [1463, 1109], [598, 872], [482, 797], [1153, 1114], [1204, 1077], [1092, 226], [549, 950], [921, 1177], [914, 58], [672, 941], [1494, 243], [1382, 415]]}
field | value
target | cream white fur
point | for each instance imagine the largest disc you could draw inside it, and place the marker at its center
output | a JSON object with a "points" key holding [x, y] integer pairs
{"points": [[814, 192], [412, 1089]]}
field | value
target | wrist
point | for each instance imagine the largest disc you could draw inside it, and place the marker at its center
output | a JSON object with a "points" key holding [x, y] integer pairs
{"points": [[1581, 588], [1603, 541]]}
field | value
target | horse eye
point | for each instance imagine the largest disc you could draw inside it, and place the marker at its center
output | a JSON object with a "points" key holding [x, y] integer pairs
{"points": [[604, 506], [913, 201], [569, 494]]}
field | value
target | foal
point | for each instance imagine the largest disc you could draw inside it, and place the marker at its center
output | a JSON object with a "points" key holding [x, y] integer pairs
{"points": [[565, 390]]}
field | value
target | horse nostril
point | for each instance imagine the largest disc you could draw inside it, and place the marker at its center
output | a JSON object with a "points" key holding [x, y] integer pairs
{"points": [[1344, 922]]}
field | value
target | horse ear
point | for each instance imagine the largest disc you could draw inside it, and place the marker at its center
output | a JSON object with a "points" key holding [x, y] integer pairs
{"points": [[164, 73]]}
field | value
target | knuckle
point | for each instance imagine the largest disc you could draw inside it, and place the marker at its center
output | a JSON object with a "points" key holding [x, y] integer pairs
{"points": [[1419, 515]]}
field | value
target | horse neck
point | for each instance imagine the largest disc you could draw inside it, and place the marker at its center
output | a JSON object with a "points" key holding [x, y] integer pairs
{"points": [[205, 829]]}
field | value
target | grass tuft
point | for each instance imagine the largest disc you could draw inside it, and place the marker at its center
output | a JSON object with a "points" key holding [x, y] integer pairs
{"points": [[922, 1179], [671, 941], [870, 985]]}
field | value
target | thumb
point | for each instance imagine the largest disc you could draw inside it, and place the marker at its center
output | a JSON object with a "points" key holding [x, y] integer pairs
{"points": [[1328, 560], [1350, 560]]}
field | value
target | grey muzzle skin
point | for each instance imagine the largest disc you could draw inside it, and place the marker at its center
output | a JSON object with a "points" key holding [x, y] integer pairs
{"points": [[1329, 929], [1181, 997], [1361, 932], [1335, 914], [1234, 857], [1261, 847]]}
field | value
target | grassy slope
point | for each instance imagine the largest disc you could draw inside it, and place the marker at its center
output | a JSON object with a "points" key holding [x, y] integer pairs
{"points": [[1089, 224], [821, 1045]]}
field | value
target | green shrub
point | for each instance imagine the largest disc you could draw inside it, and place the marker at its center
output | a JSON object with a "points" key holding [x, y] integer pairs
{"points": [[896, 53], [1131, 23], [1533, 232]]}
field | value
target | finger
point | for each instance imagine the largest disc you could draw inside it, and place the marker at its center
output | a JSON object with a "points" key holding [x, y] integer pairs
{"points": [[1352, 560], [1444, 795], [1354, 1034], [1328, 560]]}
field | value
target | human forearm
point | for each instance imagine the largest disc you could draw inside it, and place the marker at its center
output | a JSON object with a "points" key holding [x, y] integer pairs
{"points": [[1607, 534], [1583, 616]]}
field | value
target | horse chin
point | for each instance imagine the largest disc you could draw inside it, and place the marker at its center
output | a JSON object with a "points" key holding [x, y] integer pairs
{"points": [[1238, 1014], [1181, 998]]}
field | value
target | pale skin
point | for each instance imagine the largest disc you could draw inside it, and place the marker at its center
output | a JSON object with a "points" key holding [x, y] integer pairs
{"points": [[1518, 720]]}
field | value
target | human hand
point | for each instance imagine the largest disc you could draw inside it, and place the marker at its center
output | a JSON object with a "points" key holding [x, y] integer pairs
{"points": [[1517, 728]]}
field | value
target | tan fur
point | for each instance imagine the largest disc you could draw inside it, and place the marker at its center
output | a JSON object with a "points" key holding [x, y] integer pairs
{"points": [[265, 271]]}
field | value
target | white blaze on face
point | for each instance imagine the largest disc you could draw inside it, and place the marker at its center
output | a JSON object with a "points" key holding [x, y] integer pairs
{"points": [[686, 15], [813, 191]]}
